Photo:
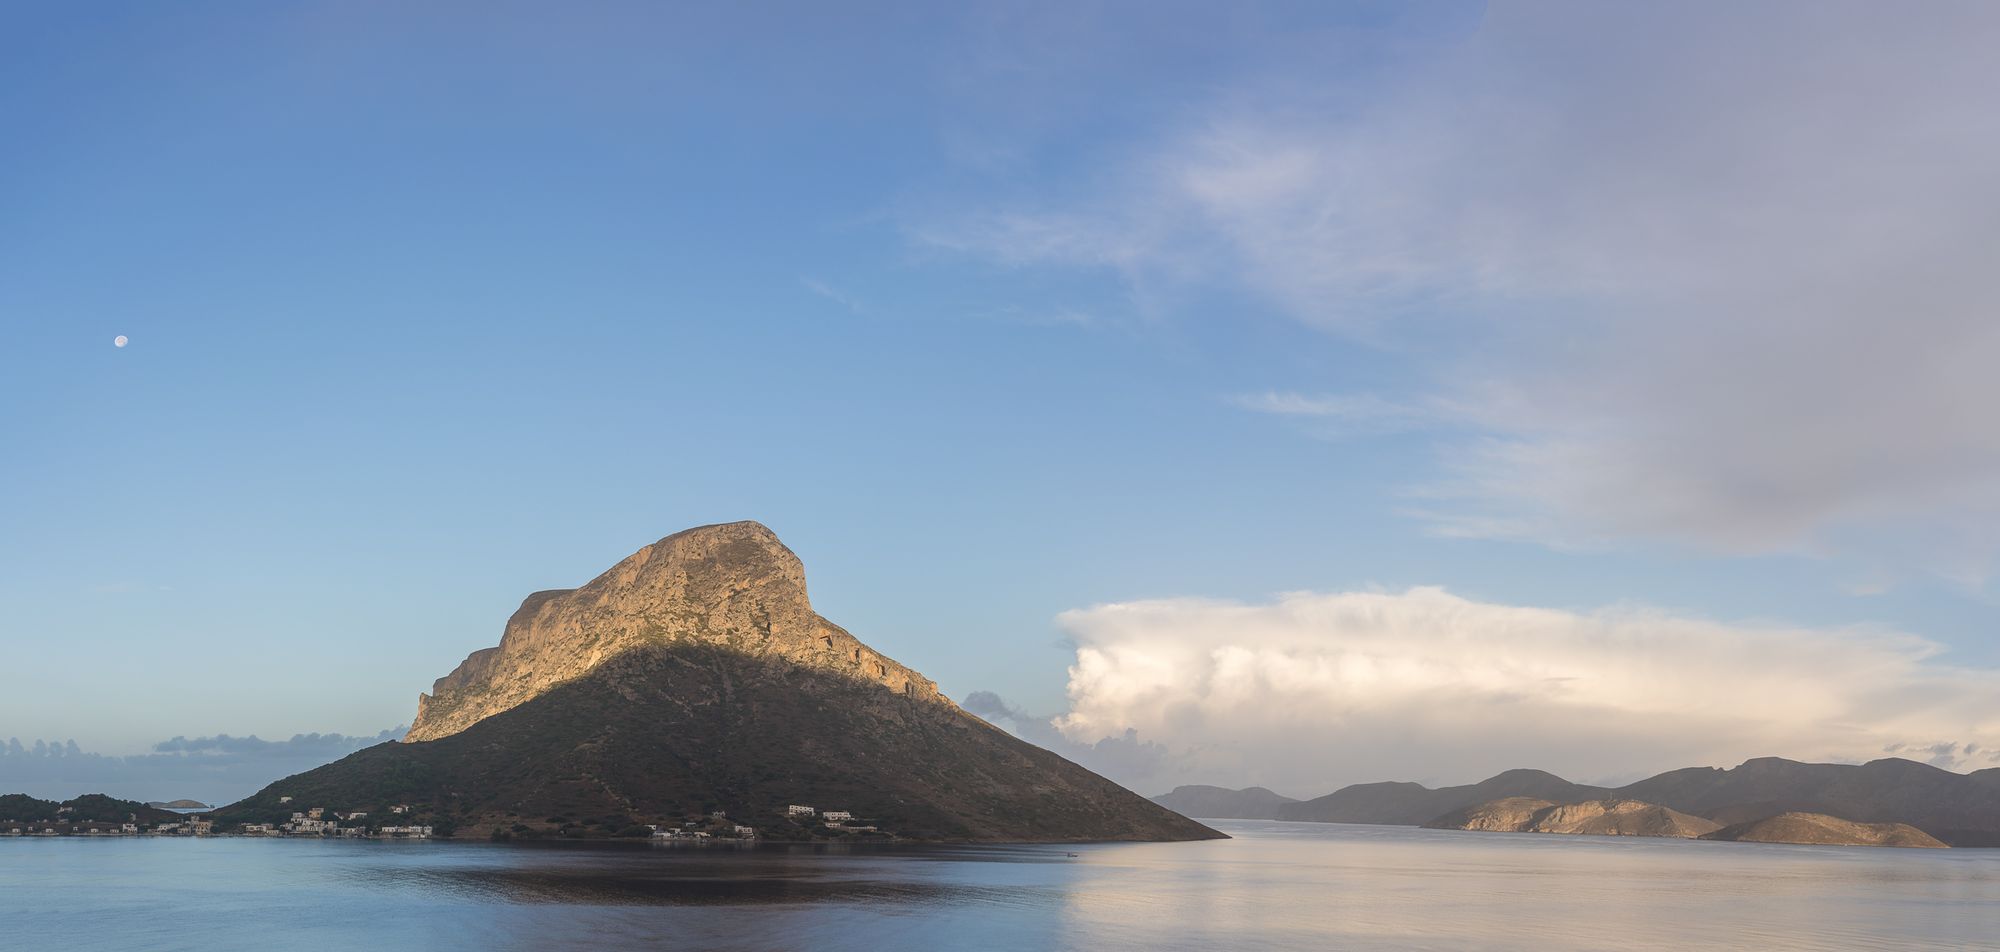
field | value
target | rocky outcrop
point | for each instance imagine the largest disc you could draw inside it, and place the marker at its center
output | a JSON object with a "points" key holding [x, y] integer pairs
{"points": [[732, 585], [1593, 817], [1814, 829]]}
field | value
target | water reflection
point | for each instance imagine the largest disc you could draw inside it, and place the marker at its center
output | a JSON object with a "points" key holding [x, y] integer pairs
{"points": [[1276, 886]]}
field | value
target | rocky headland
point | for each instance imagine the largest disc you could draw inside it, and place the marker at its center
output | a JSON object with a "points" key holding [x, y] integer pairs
{"points": [[694, 679]]}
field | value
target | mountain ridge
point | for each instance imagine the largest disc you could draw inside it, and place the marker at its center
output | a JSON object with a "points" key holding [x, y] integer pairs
{"points": [[1958, 809]]}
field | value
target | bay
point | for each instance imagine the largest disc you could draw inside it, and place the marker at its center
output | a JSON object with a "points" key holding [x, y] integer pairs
{"points": [[1274, 886]]}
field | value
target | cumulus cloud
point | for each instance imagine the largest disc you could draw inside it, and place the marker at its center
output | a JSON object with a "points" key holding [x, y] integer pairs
{"points": [[218, 769], [1718, 273], [1312, 691]]}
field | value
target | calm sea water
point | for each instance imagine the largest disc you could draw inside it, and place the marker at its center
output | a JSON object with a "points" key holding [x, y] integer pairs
{"points": [[1276, 886]]}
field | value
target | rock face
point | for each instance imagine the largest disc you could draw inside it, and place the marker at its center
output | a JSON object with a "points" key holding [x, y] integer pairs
{"points": [[732, 585], [1593, 817], [1250, 803], [695, 678], [1815, 829]]}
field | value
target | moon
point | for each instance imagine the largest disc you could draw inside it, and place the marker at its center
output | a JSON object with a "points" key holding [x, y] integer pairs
{"points": [[118, 341]]}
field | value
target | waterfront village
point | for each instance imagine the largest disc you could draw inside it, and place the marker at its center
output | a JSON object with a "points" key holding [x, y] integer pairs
{"points": [[320, 822]]}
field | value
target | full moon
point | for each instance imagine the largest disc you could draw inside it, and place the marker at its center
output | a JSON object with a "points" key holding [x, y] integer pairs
{"points": [[118, 341]]}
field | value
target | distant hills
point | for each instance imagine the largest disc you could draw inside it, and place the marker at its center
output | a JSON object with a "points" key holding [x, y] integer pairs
{"points": [[89, 808], [1635, 818], [693, 678], [1250, 803], [1957, 809]]}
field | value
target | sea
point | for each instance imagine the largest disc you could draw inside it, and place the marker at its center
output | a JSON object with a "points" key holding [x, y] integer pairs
{"points": [[1272, 886]]}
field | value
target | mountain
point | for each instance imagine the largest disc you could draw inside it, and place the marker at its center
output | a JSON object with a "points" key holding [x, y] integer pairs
{"points": [[694, 677], [1816, 829], [179, 805], [1960, 809], [1250, 803], [1409, 804], [1596, 817]]}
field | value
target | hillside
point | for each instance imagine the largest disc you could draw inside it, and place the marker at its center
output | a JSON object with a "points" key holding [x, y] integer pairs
{"points": [[711, 686], [1250, 803], [1818, 830]]}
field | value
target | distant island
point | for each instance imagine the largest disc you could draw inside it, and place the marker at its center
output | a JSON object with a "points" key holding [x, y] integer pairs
{"points": [[1633, 818], [691, 689], [1888, 802], [92, 814], [179, 805]]}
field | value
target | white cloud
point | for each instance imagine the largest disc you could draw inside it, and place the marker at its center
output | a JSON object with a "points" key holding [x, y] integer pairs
{"points": [[1313, 691], [1718, 273]]}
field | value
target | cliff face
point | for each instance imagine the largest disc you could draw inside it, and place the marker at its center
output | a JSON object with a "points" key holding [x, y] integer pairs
{"points": [[732, 585]]}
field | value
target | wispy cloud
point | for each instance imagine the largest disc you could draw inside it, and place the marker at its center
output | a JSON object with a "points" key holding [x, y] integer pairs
{"points": [[833, 294], [1345, 414], [1711, 273], [1310, 691]]}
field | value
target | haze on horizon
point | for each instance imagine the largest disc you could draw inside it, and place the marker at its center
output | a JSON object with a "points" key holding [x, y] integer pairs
{"points": [[1278, 394]]}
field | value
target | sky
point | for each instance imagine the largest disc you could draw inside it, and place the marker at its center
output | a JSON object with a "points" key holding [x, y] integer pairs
{"points": [[1281, 394]]}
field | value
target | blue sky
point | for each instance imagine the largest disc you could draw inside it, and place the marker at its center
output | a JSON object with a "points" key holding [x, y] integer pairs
{"points": [[1003, 317]]}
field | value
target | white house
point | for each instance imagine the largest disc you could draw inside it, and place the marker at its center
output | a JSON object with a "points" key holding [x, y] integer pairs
{"points": [[797, 810], [836, 816]]}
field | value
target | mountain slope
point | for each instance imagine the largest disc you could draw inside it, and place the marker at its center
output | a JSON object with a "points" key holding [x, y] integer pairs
{"points": [[711, 686]]}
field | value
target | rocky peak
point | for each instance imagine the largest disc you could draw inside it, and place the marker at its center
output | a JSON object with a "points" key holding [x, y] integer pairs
{"points": [[734, 585]]}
